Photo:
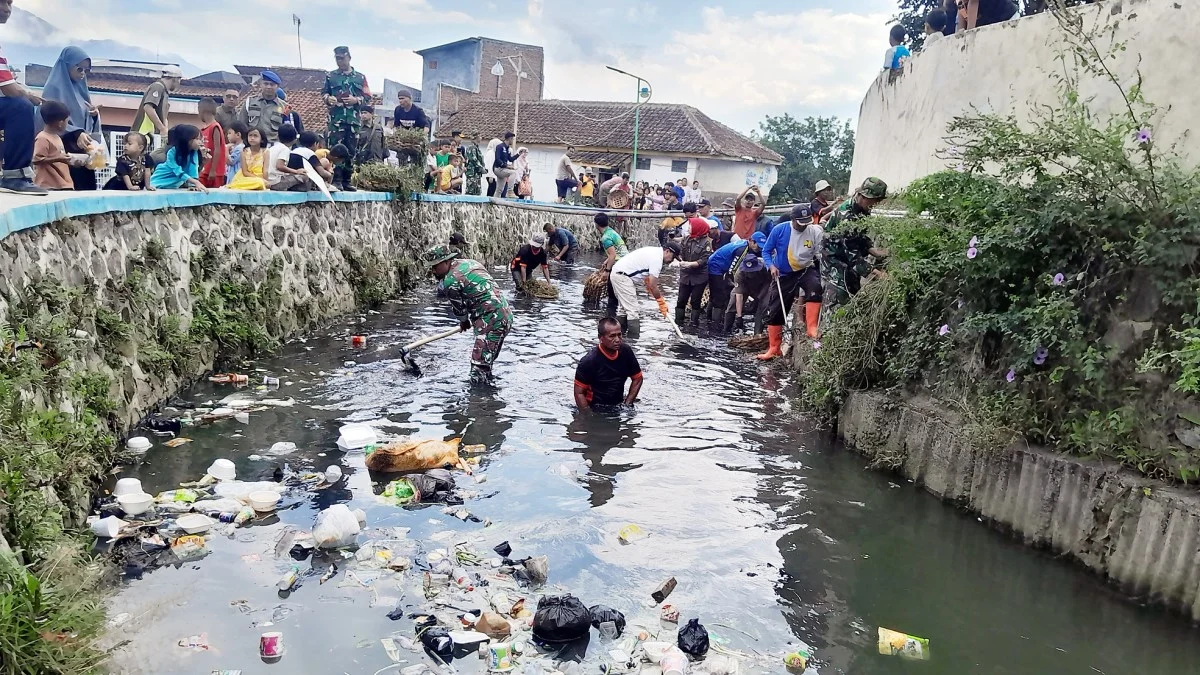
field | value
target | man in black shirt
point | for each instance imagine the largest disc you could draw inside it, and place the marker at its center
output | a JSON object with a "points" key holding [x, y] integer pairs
{"points": [[530, 257], [601, 374], [408, 116]]}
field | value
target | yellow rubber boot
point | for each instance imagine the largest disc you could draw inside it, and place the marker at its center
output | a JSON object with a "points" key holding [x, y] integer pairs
{"points": [[812, 318], [774, 343]]}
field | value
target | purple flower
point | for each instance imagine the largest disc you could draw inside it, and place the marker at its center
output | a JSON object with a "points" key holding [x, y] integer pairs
{"points": [[817, 345], [944, 330], [1059, 279], [1039, 357], [974, 242], [1143, 136], [972, 252], [1011, 376]]}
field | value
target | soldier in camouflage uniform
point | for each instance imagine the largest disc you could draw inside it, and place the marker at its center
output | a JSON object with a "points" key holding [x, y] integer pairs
{"points": [[476, 301], [847, 246], [345, 91], [474, 166]]}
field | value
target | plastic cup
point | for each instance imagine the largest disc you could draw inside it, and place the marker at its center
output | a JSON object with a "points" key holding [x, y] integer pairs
{"points": [[270, 645]]}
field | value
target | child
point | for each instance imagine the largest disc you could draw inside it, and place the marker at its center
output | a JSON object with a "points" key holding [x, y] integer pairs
{"points": [[935, 24], [296, 178], [450, 177], [51, 163], [131, 166], [431, 169], [182, 165], [212, 174], [339, 155], [277, 156], [252, 166], [235, 137], [894, 59]]}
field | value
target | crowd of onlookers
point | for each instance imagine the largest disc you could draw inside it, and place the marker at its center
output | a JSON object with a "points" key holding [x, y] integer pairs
{"points": [[951, 17]]}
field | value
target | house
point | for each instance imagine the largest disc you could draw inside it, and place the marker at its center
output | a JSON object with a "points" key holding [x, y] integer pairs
{"points": [[674, 140], [458, 73]]}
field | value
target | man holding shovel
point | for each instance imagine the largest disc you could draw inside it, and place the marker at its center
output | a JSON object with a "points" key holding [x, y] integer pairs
{"points": [[476, 301], [791, 256]]}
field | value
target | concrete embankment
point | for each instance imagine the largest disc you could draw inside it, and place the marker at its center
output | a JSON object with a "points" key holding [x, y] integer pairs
{"points": [[1143, 536]]}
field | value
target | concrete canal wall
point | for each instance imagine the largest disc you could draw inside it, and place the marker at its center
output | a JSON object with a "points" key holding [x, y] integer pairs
{"points": [[116, 265], [1141, 535]]}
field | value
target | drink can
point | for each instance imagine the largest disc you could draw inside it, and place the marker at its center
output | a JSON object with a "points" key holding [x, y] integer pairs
{"points": [[500, 656], [270, 645], [358, 340]]}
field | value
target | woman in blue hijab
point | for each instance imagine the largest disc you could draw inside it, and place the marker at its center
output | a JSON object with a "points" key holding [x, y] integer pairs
{"points": [[67, 84]]}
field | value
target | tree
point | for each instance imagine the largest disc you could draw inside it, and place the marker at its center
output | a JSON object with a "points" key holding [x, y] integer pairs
{"points": [[813, 149], [912, 14]]}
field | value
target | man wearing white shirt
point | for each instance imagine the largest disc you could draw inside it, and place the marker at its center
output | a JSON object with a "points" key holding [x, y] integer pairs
{"points": [[645, 265], [693, 193]]}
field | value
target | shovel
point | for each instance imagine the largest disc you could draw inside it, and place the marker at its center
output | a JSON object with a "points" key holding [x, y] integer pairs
{"points": [[405, 357], [786, 349]]}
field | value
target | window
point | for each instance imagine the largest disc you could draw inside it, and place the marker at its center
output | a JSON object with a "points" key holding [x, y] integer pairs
{"points": [[679, 166], [433, 65], [643, 163]]}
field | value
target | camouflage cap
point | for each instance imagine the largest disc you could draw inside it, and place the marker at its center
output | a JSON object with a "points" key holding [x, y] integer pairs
{"points": [[873, 188], [438, 254]]}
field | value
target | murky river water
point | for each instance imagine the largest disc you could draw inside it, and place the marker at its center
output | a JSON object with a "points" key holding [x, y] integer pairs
{"points": [[773, 532]]}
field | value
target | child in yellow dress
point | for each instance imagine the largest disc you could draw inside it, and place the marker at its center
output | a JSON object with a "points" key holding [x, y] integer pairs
{"points": [[252, 174]]}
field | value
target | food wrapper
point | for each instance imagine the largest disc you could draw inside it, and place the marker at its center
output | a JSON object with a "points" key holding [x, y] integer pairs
{"points": [[895, 643]]}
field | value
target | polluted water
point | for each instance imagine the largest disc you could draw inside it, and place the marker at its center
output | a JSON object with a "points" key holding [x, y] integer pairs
{"points": [[708, 529]]}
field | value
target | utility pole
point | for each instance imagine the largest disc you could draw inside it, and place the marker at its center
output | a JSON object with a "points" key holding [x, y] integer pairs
{"points": [[642, 93], [299, 51], [498, 71]]}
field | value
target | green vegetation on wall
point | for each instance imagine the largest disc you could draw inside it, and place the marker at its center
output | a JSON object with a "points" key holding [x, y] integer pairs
{"points": [[1051, 292]]}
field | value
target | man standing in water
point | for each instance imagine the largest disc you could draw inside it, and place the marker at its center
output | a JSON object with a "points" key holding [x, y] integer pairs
{"points": [[644, 264], [601, 374], [476, 301]]}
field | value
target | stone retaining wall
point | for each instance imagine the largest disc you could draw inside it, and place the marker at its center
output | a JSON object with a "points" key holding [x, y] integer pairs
{"points": [[1141, 535], [315, 257]]}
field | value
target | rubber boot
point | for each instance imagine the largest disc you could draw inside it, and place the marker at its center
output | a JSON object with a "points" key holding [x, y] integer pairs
{"points": [[634, 326], [624, 321], [774, 342], [812, 318], [695, 318], [680, 312], [729, 320]]}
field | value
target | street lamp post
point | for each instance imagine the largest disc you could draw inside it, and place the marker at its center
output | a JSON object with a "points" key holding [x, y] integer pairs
{"points": [[498, 71], [642, 93]]}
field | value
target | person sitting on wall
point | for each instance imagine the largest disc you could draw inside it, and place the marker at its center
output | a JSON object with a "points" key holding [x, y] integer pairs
{"points": [[16, 121]]}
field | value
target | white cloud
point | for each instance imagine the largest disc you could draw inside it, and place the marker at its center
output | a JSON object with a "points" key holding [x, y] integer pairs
{"points": [[734, 67]]}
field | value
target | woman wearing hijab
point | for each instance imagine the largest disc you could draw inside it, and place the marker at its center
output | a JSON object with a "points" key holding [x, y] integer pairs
{"points": [[489, 158], [67, 84]]}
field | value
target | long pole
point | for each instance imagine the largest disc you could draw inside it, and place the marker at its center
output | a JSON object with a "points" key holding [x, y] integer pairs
{"points": [[637, 119], [517, 108], [299, 51]]}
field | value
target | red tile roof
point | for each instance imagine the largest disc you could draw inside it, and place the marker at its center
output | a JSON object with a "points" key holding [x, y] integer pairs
{"points": [[664, 127], [311, 79], [133, 84]]}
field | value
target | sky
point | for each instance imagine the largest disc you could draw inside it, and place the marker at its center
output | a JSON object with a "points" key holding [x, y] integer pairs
{"points": [[737, 63]]}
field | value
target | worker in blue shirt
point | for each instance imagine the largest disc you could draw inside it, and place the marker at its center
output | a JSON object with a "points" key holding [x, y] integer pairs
{"points": [[791, 256], [721, 267], [564, 240]]}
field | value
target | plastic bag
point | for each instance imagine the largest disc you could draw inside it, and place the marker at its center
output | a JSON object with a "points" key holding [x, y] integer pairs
{"points": [[895, 643], [561, 618], [493, 625], [336, 527], [431, 485], [400, 492], [601, 614], [693, 639]]}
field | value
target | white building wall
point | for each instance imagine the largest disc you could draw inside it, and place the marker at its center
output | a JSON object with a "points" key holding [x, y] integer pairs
{"points": [[902, 123], [727, 176], [715, 175]]}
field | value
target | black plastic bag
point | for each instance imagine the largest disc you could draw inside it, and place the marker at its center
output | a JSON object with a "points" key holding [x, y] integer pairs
{"points": [[503, 549], [443, 478], [561, 618], [600, 614], [436, 640], [693, 639]]}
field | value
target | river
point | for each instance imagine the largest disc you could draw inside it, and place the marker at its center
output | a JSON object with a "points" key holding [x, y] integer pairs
{"points": [[773, 531]]}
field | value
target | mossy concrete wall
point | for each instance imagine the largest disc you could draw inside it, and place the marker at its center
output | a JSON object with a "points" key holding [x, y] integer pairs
{"points": [[308, 261], [1140, 534]]}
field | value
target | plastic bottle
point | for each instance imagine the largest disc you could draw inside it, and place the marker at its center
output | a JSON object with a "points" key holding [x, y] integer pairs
{"points": [[288, 580], [244, 516], [674, 662], [227, 517]]}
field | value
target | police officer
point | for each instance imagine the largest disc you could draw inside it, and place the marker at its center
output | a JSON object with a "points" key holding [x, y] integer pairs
{"points": [[346, 91]]}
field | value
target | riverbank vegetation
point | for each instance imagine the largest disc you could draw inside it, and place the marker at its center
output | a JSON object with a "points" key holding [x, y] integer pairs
{"points": [[1050, 291]]}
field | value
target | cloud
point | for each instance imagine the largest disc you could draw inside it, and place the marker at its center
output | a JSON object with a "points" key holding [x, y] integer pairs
{"points": [[736, 68]]}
